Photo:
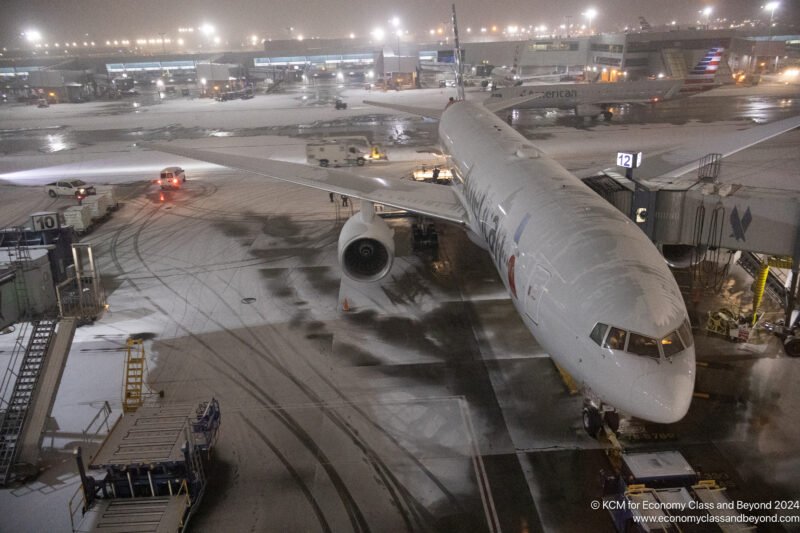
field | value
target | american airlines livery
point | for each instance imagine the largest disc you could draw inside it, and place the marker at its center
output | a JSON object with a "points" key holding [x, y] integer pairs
{"points": [[595, 99], [586, 281]]}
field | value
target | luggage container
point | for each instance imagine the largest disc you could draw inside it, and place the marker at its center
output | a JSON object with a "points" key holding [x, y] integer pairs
{"points": [[108, 190], [79, 217], [98, 205]]}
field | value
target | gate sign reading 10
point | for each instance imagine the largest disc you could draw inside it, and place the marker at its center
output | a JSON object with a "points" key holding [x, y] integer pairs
{"points": [[43, 221], [629, 159]]}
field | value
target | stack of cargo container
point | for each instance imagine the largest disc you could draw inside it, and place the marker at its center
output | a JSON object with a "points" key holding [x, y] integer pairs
{"points": [[79, 217]]}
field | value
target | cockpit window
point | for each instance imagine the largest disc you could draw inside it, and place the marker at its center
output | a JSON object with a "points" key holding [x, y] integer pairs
{"points": [[685, 332], [671, 344], [598, 333], [641, 345], [616, 339]]}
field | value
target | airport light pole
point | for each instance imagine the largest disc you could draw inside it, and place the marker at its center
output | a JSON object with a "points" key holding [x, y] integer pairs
{"points": [[398, 32], [590, 14], [32, 36], [771, 7], [707, 12]]}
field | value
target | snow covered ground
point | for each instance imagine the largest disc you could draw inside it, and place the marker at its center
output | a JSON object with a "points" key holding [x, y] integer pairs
{"points": [[415, 409]]}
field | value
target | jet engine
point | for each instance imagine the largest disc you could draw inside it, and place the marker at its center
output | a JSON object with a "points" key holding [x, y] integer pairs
{"points": [[366, 246], [592, 110], [682, 255]]}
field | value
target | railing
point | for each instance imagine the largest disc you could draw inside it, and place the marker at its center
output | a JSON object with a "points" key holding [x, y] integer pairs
{"points": [[187, 502], [102, 416], [9, 378], [74, 510]]}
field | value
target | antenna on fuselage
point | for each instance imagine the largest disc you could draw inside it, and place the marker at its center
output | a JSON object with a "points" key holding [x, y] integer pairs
{"points": [[457, 56]]}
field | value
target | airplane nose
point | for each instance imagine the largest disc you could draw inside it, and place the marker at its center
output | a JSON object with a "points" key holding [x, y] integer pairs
{"points": [[664, 395]]}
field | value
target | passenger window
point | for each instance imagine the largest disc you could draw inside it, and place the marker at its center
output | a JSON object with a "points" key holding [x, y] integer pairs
{"points": [[641, 345], [598, 333], [671, 344], [685, 332], [616, 339]]}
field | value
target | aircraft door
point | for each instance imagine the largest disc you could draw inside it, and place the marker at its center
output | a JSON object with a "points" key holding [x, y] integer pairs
{"points": [[534, 291]]}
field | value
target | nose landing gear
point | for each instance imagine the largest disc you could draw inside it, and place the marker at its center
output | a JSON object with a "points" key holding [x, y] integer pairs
{"points": [[596, 419]]}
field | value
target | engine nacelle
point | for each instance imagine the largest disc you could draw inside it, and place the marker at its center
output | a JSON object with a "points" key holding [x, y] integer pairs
{"points": [[366, 246], [682, 255], [588, 110]]}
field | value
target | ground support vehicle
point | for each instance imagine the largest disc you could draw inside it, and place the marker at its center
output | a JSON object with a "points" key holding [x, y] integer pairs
{"points": [[335, 154], [76, 188], [660, 491], [149, 472]]}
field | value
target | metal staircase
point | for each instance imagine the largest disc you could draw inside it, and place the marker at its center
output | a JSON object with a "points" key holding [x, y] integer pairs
{"points": [[15, 409], [774, 284], [133, 394]]}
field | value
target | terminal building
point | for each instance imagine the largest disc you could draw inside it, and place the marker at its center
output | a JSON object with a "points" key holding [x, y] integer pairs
{"points": [[401, 64]]}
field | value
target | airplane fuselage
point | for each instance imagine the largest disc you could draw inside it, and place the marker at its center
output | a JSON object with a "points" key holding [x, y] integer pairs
{"points": [[570, 261], [571, 95]]}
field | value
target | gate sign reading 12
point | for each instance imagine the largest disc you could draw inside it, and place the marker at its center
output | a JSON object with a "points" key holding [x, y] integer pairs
{"points": [[629, 159]]}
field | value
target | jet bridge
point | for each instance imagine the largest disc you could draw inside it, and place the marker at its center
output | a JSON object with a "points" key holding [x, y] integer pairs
{"points": [[707, 214], [696, 215]]}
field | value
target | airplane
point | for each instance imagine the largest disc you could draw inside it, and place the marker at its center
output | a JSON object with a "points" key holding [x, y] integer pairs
{"points": [[508, 77], [589, 99], [588, 284], [594, 99]]}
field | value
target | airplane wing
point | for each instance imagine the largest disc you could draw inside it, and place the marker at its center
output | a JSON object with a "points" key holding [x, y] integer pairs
{"points": [[423, 198], [673, 164], [421, 111]]}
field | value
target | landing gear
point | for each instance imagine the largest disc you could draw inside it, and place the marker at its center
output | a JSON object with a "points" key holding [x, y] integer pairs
{"points": [[592, 421], [595, 420], [791, 345], [611, 419]]}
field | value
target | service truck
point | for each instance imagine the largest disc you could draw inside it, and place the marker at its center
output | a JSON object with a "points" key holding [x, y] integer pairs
{"points": [[336, 154]]}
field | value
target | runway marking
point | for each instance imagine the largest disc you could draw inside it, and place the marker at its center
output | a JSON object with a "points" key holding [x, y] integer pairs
{"points": [[489, 509]]}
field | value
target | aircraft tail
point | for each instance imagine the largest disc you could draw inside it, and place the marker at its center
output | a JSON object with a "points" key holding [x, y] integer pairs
{"points": [[704, 75]]}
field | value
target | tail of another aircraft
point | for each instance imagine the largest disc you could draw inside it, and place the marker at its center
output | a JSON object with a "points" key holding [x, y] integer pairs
{"points": [[704, 75]]}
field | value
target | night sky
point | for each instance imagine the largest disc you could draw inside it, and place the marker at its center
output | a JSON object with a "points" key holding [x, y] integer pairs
{"points": [[102, 19]]}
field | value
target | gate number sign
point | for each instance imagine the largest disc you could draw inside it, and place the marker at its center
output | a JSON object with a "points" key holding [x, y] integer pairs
{"points": [[629, 159], [44, 221]]}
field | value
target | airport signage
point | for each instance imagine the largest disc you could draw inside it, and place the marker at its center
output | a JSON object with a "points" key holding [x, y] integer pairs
{"points": [[43, 221], [629, 159]]}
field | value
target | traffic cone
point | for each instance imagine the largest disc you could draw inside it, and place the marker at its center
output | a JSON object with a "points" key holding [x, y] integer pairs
{"points": [[345, 305]]}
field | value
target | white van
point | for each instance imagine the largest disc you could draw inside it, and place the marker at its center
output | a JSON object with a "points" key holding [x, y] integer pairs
{"points": [[334, 154], [172, 178]]}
